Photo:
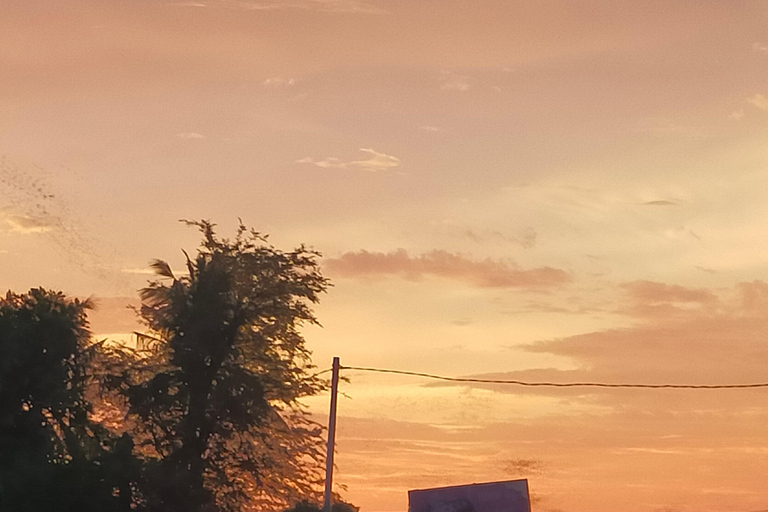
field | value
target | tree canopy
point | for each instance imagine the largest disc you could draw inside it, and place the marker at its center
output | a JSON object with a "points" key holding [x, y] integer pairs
{"points": [[215, 404], [52, 455], [209, 406]]}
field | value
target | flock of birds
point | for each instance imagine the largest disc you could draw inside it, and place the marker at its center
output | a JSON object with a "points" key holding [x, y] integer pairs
{"points": [[29, 206]]}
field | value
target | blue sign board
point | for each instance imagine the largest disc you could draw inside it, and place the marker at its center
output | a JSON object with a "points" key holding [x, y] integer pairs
{"points": [[508, 496]]}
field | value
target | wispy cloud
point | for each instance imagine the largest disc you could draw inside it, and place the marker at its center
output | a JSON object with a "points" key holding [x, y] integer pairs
{"points": [[654, 292], [485, 273], [759, 101], [736, 115], [760, 47], [453, 82], [24, 224], [524, 467], [279, 82], [651, 437], [138, 270], [526, 238], [190, 135], [332, 6], [376, 162], [710, 338], [649, 299], [146, 271]]}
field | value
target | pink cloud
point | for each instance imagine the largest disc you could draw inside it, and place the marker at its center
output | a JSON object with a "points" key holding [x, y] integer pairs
{"points": [[722, 342], [626, 449], [648, 299], [652, 292], [485, 273], [753, 297]]}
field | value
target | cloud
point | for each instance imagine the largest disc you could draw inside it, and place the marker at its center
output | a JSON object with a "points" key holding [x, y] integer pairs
{"points": [[453, 82], [346, 6], [617, 445], [145, 271], [486, 273], [138, 270], [526, 238], [331, 6], [653, 292], [431, 129], [279, 82], [334, 6], [455, 85], [760, 47], [376, 162], [712, 339], [24, 224], [648, 299], [524, 467], [737, 115], [190, 135], [759, 101]]}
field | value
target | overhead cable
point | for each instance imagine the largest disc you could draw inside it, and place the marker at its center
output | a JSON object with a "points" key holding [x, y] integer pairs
{"points": [[556, 384]]}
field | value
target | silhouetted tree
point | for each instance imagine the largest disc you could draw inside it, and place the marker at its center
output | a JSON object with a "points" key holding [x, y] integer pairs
{"points": [[214, 402], [338, 506], [52, 456]]}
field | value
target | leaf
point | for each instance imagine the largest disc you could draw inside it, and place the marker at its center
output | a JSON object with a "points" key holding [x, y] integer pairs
{"points": [[162, 269]]}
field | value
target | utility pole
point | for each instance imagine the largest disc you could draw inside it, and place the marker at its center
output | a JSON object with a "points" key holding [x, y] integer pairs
{"points": [[328, 498]]}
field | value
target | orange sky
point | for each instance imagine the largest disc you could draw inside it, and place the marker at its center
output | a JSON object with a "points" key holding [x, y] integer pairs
{"points": [[531, 190]]}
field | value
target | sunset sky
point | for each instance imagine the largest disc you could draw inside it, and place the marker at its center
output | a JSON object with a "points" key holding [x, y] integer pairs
{"points": [[542, 190]]}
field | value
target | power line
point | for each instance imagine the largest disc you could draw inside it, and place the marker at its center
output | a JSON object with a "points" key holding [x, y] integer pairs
{"points": [[556, 384], [321, 372]]}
